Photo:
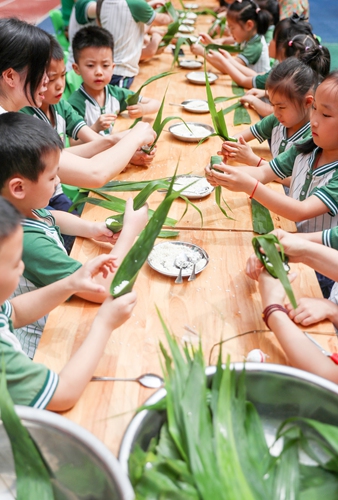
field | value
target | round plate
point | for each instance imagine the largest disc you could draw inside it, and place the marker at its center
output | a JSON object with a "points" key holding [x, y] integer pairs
{"points": [[190, 64], [196, 106], [191, 5], [189, 15], [188, 36], [199, 77], [163, 255], [200, 189], [185, 29], [180, 131], [187, 21]]}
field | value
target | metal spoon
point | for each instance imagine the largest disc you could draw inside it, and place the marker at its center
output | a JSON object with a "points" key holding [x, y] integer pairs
{"points": [[192, 276], [181, 262], [147, 380]]}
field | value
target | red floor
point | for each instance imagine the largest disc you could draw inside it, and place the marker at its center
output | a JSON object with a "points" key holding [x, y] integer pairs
{"points": [[29, 10]]}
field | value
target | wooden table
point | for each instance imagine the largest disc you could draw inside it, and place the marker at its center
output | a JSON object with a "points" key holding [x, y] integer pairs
{"points": [[221, 304]]}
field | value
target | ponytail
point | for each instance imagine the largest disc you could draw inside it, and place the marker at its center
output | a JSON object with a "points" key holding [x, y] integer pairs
{"points": [[308, 50], [249, 10]]}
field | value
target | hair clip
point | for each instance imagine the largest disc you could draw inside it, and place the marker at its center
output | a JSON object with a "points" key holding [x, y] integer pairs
{"points": [[320, 46], [296, 18], [290, 43], [257, 10], [307, 48]]}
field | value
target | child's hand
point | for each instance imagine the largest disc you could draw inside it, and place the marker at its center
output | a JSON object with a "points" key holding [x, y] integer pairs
{"points": [[144, 132], [135, 220], [135, 111], [142, 159], [100, 232], [310, 311], [254, 267], [225, 53], [239, 151], [294, 246], [104, 122], [249, 100], [114, 312], [231, 178], [197, 49], [82, 280], [205, 38], [259, 93], [215, 56]]}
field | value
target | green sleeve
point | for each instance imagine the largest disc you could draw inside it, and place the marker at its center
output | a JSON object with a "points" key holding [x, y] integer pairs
{"points": [[141, 11], [121, 95], [81, 9], [66, 9], [328, 194], [77, 103], [259, 81], [283, 164], [27, 110], [269, 34], [330, 237], [263, 129], [74, 121], [45, 262], [251, 52]]}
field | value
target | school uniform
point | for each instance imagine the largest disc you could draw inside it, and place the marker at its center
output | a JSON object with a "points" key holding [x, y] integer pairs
{"points": [[78, 19], [28, 383], [46, 261], [255, 54]]}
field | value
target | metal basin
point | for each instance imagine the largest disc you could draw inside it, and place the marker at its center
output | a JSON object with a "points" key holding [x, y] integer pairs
{"points": [[83, 467], [277, 391]]}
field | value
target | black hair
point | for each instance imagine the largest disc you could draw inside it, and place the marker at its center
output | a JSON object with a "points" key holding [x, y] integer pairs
{"points": [[308, 146], [286, 29], [272, 7], [248, 10], [24, 142], [91, 36], [293, 79], [24, 47], [56, 49], [308, 49], [10, 219]]}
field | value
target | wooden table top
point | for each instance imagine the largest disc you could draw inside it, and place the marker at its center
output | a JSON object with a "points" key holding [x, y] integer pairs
{"points": [[223, 303]]}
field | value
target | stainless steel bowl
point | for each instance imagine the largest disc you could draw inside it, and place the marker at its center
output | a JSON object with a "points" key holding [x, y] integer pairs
{"points": [[277, 391], [176, 128], [83, 467]]}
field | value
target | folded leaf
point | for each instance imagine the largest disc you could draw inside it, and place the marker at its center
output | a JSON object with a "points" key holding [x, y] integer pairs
{"points": [[261, 218], [233, 49]]}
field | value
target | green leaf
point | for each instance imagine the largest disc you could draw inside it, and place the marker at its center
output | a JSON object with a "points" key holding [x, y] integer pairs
{"points": [[224, 99], [261, 218], [134, 98], [32, 475], [168, 234], [181, 41], [233, 49], [276, 259], [239, 91], [241, 116], [234, 106], [216, 160]]}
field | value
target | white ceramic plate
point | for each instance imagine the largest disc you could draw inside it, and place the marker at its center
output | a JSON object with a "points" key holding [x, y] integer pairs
{"points": [[198, 131], [196, 106], [192, 38], [190, 64], [199, 77], [188, 22], [200, 189], [163, 255], [191, 5], [185, 29]]}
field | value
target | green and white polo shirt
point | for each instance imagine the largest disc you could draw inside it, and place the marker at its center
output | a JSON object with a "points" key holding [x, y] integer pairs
{"points": [[125, 20], [67, 121], [255, 54], [46, 261], [78, 19], [307, 181], [330, 237], [270, 128], [28, 383], [90, 110], [259, 81]]}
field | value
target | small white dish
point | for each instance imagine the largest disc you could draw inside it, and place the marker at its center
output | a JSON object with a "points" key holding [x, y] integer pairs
{"points": [[163, 255], [198, 77], [200, 189], [190, 64], [191, 6], [185, 29], [197, 132], [196, 106]]}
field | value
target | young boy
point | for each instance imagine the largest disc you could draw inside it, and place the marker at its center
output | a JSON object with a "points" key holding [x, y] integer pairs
{"points": [[27, 179], [97, 101], [30, 383]]}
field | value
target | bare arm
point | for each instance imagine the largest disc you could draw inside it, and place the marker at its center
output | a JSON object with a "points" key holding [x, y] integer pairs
{"points": [[162, 19], [151, 48], [76, 374], [144, 107]]}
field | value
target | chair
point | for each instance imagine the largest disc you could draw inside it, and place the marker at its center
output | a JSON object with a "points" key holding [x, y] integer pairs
{"points": [[56, 18]]}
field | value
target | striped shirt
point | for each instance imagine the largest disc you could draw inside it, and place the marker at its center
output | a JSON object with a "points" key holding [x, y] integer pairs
{"points": [[28, 383], [255, 54], [125, 20], [307, 181], [78, 19], [270, 128]]}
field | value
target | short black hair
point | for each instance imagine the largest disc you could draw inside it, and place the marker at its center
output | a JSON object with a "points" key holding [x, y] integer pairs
{"points": [[56, 49], [10, 219], [24, 142], [91, 36], [249, 10], [24, 47]]}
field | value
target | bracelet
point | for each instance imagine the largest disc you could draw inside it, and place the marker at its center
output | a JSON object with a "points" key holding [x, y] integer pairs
{"points": [[271, 309], [254, 189], [260, 161]]}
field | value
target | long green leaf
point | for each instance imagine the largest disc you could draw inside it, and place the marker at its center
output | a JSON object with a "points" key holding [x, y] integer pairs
{"points": [[237, 90], [134, 98], [224, 99], [216, 160], [233, 49], [181, 41], [234, 106], [277, 258], [32, 476], [261, 219], [241, 116]]}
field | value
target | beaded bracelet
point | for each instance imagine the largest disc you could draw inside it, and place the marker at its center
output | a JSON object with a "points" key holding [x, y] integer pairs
{"points": [[271, 309], [260, 161], [254, 190]]}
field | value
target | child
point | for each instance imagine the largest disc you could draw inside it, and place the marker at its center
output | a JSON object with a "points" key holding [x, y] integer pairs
{"points": [[33, 384], [96, 100], [301, 352], [83, 14], [291, 87], [27, 179], [313, 200], [248, 23]]}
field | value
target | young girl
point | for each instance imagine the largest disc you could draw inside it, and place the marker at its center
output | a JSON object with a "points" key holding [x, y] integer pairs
{"points": [[247, 23], [313, 199], [291, 87]]}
